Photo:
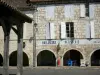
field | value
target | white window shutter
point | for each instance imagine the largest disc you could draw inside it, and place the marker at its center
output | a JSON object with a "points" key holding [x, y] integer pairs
{"points": [[63, 30], [91, 11], [92, 29], [48, 31], [82, 10], [67, 11], [49, 11], [71, 11], [88, 31], [25, 26], [24, 30], [52, 31]]}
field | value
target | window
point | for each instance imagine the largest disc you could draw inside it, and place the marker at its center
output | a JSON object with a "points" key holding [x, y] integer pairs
{"points": [[87, 9], [67, 30]]}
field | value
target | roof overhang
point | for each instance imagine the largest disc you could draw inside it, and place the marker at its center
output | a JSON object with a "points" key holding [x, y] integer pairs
{"points": [[46, 2], [12, 14]]}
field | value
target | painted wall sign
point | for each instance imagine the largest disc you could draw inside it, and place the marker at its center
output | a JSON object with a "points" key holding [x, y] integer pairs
{"points": [[65, 42], [49, 42], [70, 42]]}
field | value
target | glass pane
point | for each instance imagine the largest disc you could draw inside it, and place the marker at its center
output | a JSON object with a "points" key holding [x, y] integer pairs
{"points": [[72, 35], [67, 27], [70, 29], [67, 34], [67, 31]]}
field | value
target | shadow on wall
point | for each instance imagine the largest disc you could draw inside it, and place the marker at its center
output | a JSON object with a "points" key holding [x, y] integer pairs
{"points": [[1, 60]]}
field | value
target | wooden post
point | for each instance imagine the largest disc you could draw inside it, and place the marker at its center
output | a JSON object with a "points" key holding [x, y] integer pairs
{"points": [[34, 47], [6, 28], [6, 54], [20, 51]]}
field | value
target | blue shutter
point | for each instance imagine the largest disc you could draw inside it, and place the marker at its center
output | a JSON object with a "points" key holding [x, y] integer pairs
{"points": [[49, 11], [52, 31], [71, 11], [92, 29], [63, 30], [88, 31], [48, 31], [91, 11], [82, 10], [67, 11]]}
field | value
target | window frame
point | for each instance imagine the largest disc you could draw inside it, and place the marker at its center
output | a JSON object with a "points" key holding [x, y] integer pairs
{"points": [[70, 29]]}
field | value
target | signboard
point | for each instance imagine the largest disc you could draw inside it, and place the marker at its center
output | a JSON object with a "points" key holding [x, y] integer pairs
{"points": [[70, 41]]}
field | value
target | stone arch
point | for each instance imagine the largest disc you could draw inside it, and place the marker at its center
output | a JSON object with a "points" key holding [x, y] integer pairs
{"points": [[93, 50], [95, 57], [77, 49], [46, 58], [48, 50], [72, 55], [13, 59], [1, 60]]}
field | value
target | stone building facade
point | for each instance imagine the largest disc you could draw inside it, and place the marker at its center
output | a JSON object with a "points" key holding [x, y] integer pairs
{"points": [[63, 32]]}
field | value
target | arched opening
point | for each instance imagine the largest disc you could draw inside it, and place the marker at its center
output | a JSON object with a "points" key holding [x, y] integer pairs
{"points": [[13, 59], [74, 56], [46, 58], [1, 60], [95, 58]]}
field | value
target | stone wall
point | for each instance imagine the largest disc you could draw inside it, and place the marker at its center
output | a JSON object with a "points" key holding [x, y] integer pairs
{"points": [[40, 18]]}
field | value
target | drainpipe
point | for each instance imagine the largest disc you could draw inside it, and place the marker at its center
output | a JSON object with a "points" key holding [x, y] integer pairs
{"points": [[34, 38], [34, 8]]}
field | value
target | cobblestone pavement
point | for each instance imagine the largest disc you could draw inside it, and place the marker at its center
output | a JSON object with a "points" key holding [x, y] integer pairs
{"points": [[56, 71]]}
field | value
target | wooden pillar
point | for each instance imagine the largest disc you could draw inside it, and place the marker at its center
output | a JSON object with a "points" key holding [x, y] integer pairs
{"points": [[6, 28], [34, 47], [20, 49], [6, 55]]}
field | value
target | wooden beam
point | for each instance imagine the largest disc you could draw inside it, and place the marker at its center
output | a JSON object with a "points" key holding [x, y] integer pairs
{"points": [[6, 28], [12, 20], [20, 51], [3, 25], [15, 30]]}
